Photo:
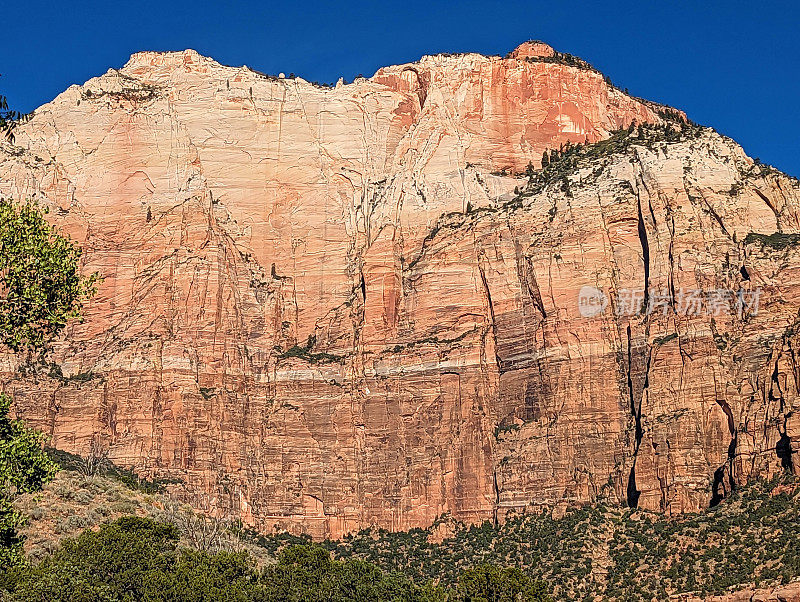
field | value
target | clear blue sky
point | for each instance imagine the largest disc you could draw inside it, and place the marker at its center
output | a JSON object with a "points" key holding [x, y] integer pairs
{"points": [[733, 65]]}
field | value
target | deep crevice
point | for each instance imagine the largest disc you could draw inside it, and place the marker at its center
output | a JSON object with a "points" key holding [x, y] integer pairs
{"points": [[745, 274], [783, 449], [671, 256], [770, 205], [528, 278], [630, 378], [645, 254], [720, 489], [496, 497], [633, 493]]}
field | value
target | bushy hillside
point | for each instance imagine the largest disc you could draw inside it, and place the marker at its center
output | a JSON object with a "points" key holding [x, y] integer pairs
{"points": [[601, 551], [75, 501], [109, 537], [593, 552]]}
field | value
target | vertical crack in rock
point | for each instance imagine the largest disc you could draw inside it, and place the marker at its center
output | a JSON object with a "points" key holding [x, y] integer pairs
{"points": [[527, 276], [481, 256], [645, 253], [716, 216], [496, 489], [489, 303], [720, 489], [633, 492], [671, 255], [769, 204], [638, 366], [776, 384], [363, 285], [783, 448], [745, 273]]}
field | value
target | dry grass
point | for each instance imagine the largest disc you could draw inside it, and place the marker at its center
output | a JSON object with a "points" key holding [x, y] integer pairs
{"points": [[73, 502]]}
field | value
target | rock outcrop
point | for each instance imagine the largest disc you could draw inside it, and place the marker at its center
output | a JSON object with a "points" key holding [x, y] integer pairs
{"points": [[325, 308]]}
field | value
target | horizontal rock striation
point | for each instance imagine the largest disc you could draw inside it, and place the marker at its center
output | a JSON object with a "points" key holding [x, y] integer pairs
{"points": [[327, 308]]}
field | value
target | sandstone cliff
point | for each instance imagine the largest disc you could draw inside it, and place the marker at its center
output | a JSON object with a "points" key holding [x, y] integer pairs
{"points": [[325, 308]]}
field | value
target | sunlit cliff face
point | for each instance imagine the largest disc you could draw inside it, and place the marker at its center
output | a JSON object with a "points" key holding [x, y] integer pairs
{"points": [[325, 308]]}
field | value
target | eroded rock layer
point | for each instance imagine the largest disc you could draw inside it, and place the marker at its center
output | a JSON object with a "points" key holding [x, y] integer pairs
{"points": [[325, 308]]}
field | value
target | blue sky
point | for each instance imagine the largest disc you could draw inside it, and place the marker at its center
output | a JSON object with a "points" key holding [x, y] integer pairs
{"points": [[733, 65]]}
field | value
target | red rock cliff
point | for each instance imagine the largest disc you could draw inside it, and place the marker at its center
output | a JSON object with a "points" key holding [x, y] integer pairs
{"points": [[301, 322]]}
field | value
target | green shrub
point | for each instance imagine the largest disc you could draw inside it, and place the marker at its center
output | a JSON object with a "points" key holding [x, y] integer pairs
{"points": [[777, 240]]}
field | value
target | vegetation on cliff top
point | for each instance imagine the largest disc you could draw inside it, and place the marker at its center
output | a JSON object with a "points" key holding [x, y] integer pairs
{"points": [[9, 119], [558, 164]]}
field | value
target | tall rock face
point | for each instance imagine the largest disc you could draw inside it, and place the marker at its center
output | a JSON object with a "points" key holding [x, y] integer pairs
{"points": [[326, 308]]}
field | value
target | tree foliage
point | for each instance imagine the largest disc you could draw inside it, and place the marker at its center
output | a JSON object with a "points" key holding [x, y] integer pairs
{"points": [[137, 558], [41, 286], [491, 583], [307, 572], [9, 119], [24, 467], [40, 289]]}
